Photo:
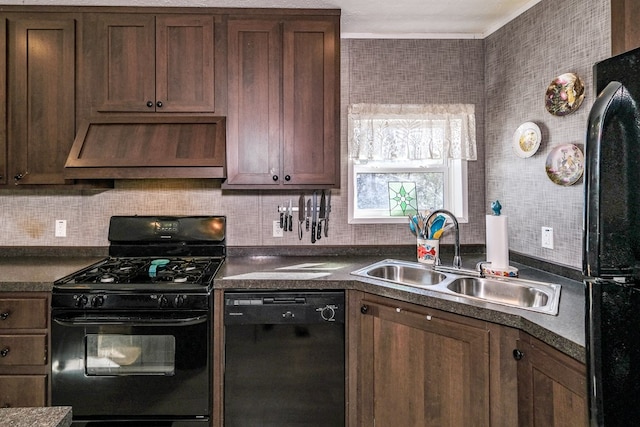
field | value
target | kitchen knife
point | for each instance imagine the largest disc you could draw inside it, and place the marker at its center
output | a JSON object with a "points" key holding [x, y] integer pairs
{"points": [[326, 215], [308, 213], [301, 215], [281, 217], [290, 215], [323, 210], [314, 216], [285, 217]]}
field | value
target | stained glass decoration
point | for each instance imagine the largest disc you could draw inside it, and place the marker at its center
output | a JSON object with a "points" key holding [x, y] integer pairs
{"points": [[402, 198]]}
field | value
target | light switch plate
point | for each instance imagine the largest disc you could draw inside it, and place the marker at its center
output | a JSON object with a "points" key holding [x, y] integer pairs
{"points": [[547, 237], [61, 228], [277, 231]]}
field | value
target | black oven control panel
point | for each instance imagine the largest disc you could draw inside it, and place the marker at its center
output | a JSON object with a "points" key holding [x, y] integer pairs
{"points": [[114, 301]]}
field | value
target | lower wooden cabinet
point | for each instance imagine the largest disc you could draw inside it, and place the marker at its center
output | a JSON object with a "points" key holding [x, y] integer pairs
{"points": [[415, 366], [419, 367], [19, 391], [24, 360], [552, 389]]}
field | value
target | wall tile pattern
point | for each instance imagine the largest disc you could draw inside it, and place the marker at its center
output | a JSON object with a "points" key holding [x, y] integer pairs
{"points": [[521, 60]]}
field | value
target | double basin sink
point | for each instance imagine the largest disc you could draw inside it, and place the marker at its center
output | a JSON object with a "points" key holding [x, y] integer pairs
{"points": [[524, 294]]}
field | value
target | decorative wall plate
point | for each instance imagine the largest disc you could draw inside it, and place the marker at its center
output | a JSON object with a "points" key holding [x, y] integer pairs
{"points": [[526, 140], [564, 94], [565, 164]]}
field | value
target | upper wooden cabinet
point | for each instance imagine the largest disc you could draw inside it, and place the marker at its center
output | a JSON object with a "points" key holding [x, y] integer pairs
{"points": [[39, 58], [625, 32], [150, 63], [283, 102]]}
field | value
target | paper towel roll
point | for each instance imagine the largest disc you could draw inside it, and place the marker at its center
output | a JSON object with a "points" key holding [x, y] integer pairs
{"points": [[497, 240]]}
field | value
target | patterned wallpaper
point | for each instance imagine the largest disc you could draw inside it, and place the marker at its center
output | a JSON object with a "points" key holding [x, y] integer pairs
{"points": [[504, 75], [521, 60]]}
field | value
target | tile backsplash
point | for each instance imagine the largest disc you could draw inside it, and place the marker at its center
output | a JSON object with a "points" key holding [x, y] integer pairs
{"points": [[505, 76]]}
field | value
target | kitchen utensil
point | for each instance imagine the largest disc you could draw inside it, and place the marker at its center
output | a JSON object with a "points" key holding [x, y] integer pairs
{"points": [[413, 223], [285, 221], [323, 211], [281, 217], [301, 215], [436, 224], [308, 215], [326, 216], [290, 215], [314, 216]]}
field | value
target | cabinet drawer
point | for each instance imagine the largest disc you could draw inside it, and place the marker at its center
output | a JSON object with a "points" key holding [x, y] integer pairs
{"points": [[22, 390], [23, 350], [23, 313]]}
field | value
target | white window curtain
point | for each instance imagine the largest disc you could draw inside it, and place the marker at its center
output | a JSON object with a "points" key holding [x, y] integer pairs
{"points": [[397, 132]]}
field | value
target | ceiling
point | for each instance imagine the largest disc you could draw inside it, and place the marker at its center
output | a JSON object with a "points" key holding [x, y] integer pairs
{"points": [[366, 18]]}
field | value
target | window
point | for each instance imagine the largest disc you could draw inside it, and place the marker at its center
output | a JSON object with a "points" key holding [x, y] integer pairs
{"points": [[403, 157]]}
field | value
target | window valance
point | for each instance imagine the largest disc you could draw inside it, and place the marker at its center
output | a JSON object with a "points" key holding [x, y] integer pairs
{"points": [[412, 132]]}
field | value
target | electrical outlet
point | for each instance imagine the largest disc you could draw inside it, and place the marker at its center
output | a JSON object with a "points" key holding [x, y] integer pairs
{"points": [[277, 231], [61, 228], [547, 237]]}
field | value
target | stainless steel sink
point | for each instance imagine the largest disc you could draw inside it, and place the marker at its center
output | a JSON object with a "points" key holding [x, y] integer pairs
{"points": [[516, 293], [524, 294], [403, 273]]}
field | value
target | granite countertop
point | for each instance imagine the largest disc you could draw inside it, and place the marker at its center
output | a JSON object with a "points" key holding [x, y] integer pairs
{"points": [[564, 331], [57, 416], [37, 273], [322, 269]]}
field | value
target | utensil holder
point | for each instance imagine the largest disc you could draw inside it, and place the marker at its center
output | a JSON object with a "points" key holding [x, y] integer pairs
{"points": [[428, 250]]}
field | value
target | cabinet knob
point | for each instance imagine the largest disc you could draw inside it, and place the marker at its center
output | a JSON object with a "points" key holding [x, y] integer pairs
{"points": [[4, 315], [159, 104], [518, 354], [149, 104], [274, 177], [4, 352], [287, 177], [18, 176], [364, 309]]}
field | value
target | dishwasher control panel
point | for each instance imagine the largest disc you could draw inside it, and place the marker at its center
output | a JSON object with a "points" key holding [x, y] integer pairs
{"points": [[295, 307]]}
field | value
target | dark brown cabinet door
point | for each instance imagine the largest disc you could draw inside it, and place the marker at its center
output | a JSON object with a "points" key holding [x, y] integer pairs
{"points": [[283, 118], [420, 367], [254, 116], [41, 99], [310, 103], [148, 63], [551, 387]]}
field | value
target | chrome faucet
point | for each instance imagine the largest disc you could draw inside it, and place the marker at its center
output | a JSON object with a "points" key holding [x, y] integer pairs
{"points": [[457, 260]]}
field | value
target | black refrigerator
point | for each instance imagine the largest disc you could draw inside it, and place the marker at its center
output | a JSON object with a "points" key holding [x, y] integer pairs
{"points": [[611, 246]]}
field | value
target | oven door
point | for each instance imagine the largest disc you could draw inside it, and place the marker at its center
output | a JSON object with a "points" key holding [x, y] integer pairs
{"points": [[114, 365]]}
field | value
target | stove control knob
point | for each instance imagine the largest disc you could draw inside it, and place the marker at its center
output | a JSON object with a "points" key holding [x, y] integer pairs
{"points": [[328, 312], [163, 301], [97, 301], [179, 301], [81, 301]]}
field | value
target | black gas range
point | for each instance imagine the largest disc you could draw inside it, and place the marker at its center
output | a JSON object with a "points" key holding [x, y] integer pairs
{"points": [[140, 320], [165, 259]]}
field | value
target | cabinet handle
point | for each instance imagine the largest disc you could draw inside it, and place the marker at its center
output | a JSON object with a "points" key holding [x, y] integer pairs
{"points": [[287, 177], [518, 354], [4, 352], [4, 315], [364, 309], [159, 104], [149, 104], [274, 177], [6, 405]]}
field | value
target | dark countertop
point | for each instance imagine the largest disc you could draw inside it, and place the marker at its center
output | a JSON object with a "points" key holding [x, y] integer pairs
{"points": [[28, 270], [37, 273], [564, 331], [57, 416]]}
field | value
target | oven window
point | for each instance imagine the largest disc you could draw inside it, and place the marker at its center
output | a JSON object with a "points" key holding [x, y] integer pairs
{"points": [[114, 354]]}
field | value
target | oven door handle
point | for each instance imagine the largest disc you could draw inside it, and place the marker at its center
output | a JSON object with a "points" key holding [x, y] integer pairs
{"points": [[74, 320]]}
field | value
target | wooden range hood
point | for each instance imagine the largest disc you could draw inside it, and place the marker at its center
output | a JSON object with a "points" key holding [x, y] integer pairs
{"points": [[148, 146]]}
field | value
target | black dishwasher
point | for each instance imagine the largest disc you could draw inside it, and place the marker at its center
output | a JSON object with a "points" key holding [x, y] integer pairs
{"points": [[284, 359]]}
